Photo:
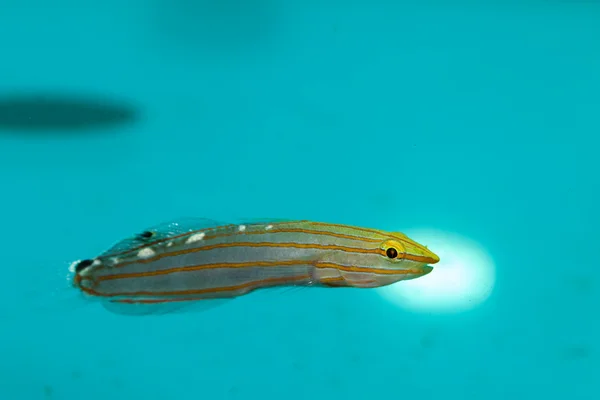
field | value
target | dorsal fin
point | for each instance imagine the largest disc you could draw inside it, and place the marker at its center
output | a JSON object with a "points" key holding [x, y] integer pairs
{"points": [[266, 221], [161, 232]]}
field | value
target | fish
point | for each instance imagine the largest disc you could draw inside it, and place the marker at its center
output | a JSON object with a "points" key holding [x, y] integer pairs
{"points": [[203, 261]]}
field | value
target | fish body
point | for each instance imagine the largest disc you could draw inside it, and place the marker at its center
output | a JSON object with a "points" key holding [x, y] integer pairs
{"points": [[183, 262]]}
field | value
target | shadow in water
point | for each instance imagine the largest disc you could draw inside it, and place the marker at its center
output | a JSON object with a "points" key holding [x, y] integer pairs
{"points": [[62, 113], [216, 24]]}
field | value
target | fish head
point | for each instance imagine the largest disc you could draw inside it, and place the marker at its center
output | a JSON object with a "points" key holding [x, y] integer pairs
{"points": [[406, 256], [395, 258]]}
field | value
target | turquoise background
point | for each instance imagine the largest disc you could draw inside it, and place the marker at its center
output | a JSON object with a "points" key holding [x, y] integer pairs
{"points": [[479, 118]]}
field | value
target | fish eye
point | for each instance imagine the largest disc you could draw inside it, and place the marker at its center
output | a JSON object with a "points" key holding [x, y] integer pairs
{"points": [[392, 249], [83, 264], [391, 252]]}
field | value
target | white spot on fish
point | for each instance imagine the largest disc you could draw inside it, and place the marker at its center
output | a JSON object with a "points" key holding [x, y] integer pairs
{"points": [[196, 237], [242, 228], [169, 244], [86, 270], [72, 266], [115, 260], [146, 252], [268, 227]]}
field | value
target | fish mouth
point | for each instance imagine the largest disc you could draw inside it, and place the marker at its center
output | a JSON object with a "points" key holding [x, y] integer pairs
{"points": [[431, 257], [426, 269], [421, 254]]}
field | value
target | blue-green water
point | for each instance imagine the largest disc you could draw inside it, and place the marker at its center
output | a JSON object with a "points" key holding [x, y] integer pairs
{"points": [[478, 118]]}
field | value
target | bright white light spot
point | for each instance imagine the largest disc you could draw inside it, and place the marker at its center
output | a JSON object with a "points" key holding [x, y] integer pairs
{"points": [[463, 279], [242, 228]]}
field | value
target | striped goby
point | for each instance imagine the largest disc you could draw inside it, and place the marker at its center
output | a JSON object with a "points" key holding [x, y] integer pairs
{"points": [[181, 262]]}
